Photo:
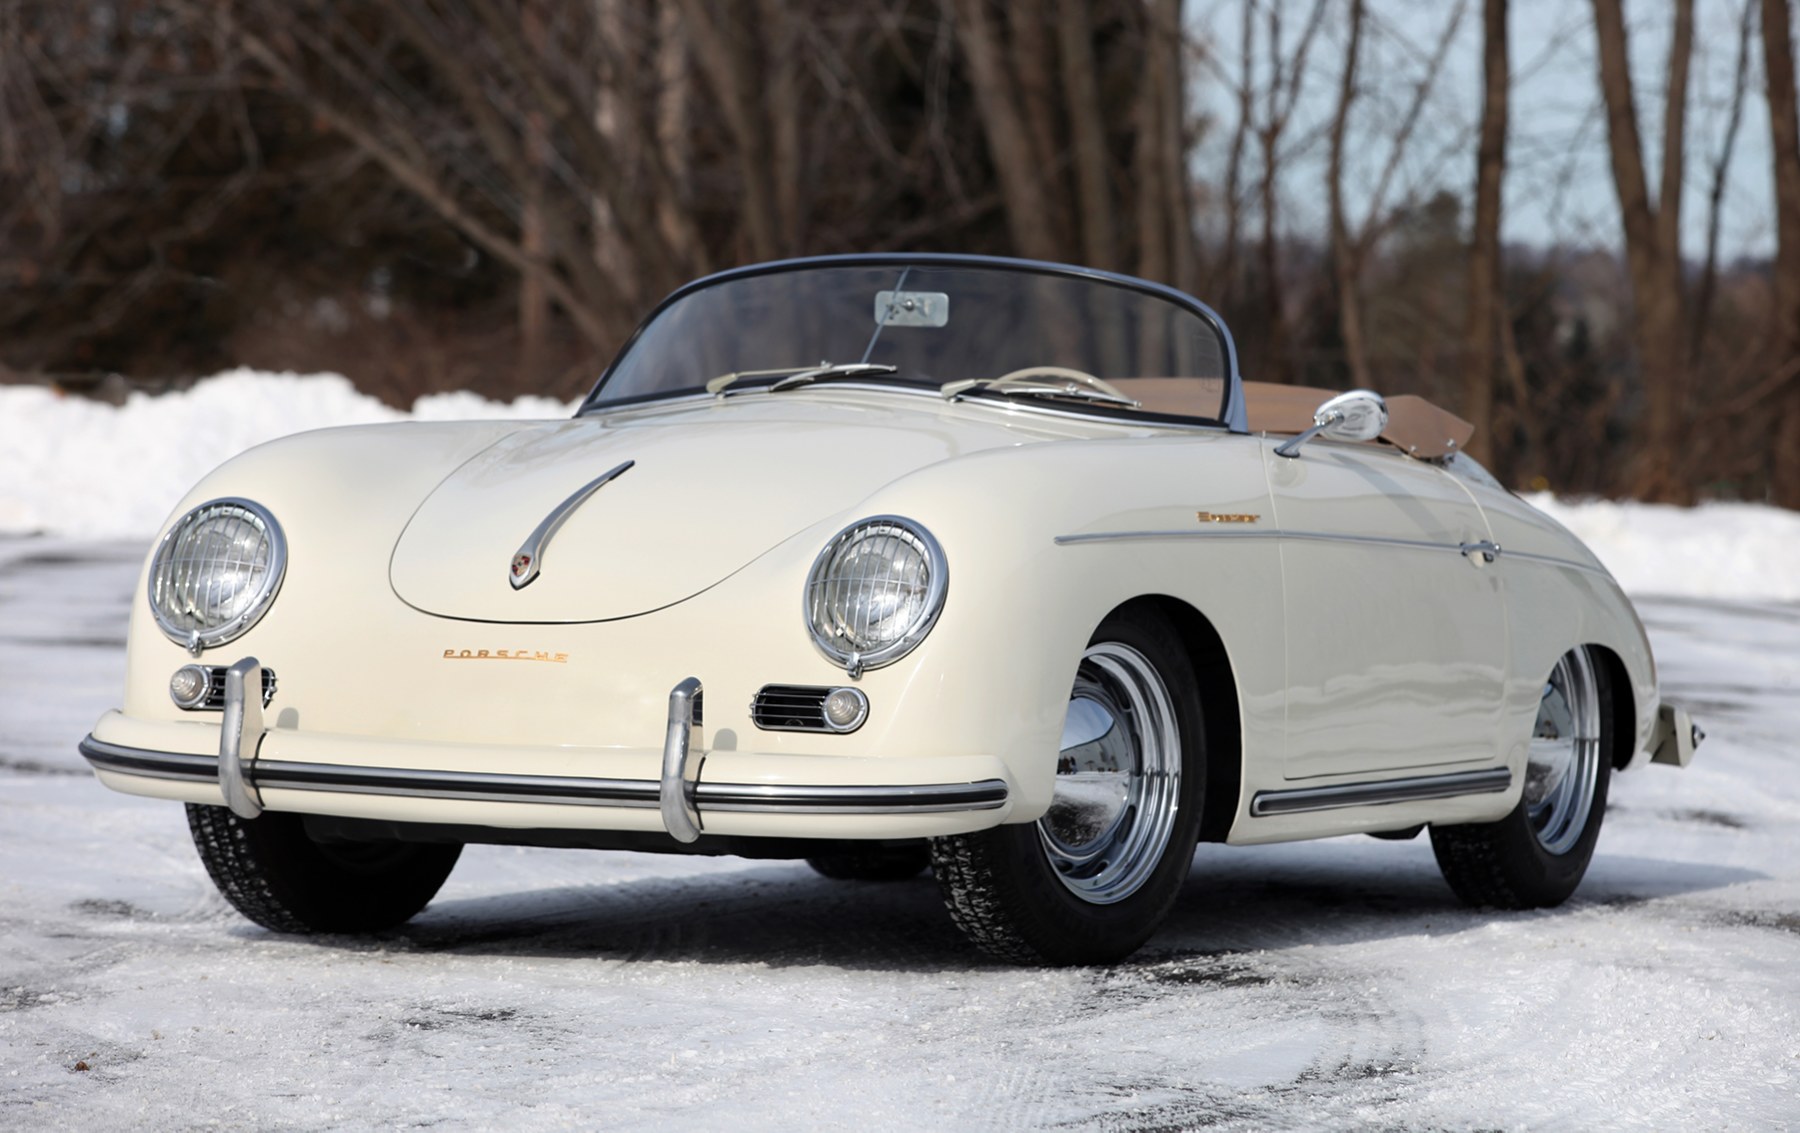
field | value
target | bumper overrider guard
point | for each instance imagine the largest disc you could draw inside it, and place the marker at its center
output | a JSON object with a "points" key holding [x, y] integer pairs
{"points": [[679, 795]]}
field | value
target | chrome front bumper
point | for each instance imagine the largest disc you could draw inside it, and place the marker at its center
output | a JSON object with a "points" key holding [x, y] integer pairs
{"points": [[680, 797]]}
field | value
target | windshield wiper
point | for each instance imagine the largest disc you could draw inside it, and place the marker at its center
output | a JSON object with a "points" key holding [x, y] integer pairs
{"points": [[800, 375], [827, 370], [1038, 387]]}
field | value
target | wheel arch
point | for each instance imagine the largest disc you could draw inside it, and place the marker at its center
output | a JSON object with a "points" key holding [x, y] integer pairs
{"points": [[1624, 704], [1220, 712]]}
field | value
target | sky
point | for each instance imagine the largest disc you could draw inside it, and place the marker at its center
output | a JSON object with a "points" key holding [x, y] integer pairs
{"points": [[1559, 185]]}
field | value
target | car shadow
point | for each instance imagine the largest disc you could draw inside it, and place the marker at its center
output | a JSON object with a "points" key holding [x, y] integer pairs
{"points": [[1237, 900]]}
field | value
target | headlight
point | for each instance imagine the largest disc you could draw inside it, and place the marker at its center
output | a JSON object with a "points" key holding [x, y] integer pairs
{"points": [[216, 571], [875, 591]]}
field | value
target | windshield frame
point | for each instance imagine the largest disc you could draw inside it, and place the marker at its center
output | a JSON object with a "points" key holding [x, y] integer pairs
{"points": [[1231, 413]]}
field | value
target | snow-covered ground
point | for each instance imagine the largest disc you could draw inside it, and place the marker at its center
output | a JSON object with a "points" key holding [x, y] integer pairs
{"points": [[1324, 984], [1327, 984]]}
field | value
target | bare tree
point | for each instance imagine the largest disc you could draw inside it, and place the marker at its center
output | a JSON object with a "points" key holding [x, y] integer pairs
{"points": [[1715, 201], [1066, 196], [1343, 257], [1485, 306], [997, 100], [1286, 79], [1227, 269], [1087, 129], [1784, 136], [1165, 225], [1652, 239], [1353, 243]]}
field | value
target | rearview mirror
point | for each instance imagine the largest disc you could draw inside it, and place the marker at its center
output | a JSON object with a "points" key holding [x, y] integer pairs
{"points": [[1358, 415]]}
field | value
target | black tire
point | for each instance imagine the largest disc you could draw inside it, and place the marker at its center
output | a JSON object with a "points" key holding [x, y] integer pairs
{"points": [[277, 876], [875, 862], [1001, 885], [1506, 864]]}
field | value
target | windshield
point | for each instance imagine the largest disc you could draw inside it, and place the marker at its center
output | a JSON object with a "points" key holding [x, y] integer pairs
{"points": [[934, 323]]}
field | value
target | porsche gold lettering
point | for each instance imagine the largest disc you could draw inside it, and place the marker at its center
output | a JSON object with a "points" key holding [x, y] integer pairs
{"points": [[506, 655]]}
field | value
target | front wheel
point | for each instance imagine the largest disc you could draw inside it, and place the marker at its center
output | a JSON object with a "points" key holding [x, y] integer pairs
{"points": [[1536, 856], [1092, 879], [276, 875]]}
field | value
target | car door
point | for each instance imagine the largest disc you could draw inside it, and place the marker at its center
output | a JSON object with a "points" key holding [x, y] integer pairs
{"points": [[1396, 638]]}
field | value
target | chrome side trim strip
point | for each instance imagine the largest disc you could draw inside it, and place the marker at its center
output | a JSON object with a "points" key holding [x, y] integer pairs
{"points": [[675, 792], [529, 558], [241, 727], [1551, 560], [925, 798], [1312, 536], [1211, 533], [1492, 781]]}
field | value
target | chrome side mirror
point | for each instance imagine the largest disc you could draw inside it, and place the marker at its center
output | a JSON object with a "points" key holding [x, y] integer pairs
{"points": [[1358, 415]]}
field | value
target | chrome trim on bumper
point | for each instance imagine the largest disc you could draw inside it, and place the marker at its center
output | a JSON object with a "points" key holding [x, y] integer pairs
{"points": [[173, 765], [675, 795], [241, 727], [928, 798], [473, 786], [1492, 781]]}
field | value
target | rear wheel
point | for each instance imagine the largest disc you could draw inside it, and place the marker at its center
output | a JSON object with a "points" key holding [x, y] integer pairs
{"points": [[1536, 856], [276, 875], [1091, 880]]}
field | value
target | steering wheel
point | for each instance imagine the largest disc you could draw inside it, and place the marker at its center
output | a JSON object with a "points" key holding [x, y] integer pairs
{"points": [[1073, 375]]}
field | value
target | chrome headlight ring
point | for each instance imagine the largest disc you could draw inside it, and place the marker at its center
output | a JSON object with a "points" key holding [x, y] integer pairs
{"points": [[874, 592], [216, 572]]}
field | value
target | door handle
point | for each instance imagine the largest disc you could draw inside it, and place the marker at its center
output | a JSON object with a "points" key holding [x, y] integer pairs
{"points": [[1486, 549]]}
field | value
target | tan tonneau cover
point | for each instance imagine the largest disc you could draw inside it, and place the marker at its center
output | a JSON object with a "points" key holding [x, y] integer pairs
{"points": [[1414, 424]]}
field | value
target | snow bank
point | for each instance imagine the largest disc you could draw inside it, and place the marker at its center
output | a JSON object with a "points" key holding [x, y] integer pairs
{"points": [[1717, 550], [70, 466], [73, 467]]}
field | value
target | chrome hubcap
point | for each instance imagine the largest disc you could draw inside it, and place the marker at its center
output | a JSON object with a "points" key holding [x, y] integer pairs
{"points": [[1564, 761], [1118, 778]]}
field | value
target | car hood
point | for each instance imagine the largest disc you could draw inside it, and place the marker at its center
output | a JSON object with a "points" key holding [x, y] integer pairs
{"points": [[713, 485]]}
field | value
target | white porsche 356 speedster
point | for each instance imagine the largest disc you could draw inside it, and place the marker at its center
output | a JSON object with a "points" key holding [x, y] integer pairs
{"points": [[886, 561]]}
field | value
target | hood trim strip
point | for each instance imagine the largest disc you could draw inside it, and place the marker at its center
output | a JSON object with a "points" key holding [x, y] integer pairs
{"points": [[528, 560]]}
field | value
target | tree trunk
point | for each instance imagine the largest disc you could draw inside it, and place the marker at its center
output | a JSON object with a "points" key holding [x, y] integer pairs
{"points": [[1715, 202], [1484, 249], [724, 50], [1652, 241], [997, 103], [1345, 256], [1178, 211], [1075, 49], [1154, 254], [668, 148], [1287, 75], [534, 301], [1784, 135], [1031, 55], [1228, 271]]}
